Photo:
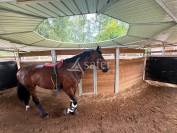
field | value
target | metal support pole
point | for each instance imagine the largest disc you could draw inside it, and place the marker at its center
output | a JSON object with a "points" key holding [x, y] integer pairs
{"points": [[18, 59], [54, 56], [80, 88], [95, 80], [144, 71], [116, 79], [163, 49]]}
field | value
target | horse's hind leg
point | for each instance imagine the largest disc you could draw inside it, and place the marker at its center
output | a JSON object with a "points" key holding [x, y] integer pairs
{"points": [[40, 109]]}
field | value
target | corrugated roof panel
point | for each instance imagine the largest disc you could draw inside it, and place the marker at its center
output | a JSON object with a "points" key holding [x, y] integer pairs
{"points": [[13, 29], [19, 8], [101, 4], [24, 8], [62, 7], [24, 38], [13, 22], [4, 13], [148, 30], [33, 7], [138, 11], [82, 6], [14, 7], [92, 5], [46, 8], [72, 6]]}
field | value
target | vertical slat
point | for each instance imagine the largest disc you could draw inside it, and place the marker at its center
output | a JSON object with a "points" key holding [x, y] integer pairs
{"points": [[95, 80], [144, 71], [116, 82], [163, 49], [18, 59], [54, 57], [80, 88]]}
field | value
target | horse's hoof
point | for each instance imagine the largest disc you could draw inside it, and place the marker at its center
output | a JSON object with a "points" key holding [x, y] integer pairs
{"points": [[45, 115], [74, 113]]}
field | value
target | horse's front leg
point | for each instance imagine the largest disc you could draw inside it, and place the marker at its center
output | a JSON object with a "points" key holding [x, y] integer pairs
{"points": [[73, 106], [73, 101]]}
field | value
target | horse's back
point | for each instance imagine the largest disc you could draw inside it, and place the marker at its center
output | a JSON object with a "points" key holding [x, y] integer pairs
{"points": [[26, 72]]}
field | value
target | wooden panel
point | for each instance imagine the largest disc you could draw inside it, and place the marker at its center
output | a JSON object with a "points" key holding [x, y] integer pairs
{"points": [[106, 80], [131, 72], [87, 82]]}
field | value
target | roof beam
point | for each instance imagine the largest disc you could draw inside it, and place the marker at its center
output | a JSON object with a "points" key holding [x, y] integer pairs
{"points": [[77, 51], [166, 9]]}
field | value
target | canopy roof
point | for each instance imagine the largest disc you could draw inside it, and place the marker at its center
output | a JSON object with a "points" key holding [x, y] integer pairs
{"points": [[151, 22]]}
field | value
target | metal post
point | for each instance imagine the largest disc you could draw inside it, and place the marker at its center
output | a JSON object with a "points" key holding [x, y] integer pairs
{"points": [[54, 57], [95, 80], [18, 59], [80, 88], [163, 49], [144, 71], [116, 80]]}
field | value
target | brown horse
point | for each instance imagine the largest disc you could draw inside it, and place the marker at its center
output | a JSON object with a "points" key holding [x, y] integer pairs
{"points": [[69, 76]]}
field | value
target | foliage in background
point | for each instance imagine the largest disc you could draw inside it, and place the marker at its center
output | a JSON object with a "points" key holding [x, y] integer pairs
{"points": [[85, 28]]}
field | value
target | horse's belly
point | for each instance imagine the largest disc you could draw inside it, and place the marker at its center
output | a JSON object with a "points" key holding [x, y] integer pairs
{"points": [[46, 82]]}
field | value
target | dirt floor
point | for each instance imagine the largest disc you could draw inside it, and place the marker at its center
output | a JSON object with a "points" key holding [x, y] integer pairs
{"points": [[141, 109]]}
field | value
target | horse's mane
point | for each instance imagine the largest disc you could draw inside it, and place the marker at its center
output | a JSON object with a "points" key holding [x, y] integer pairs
{"points": [[82, 56]]}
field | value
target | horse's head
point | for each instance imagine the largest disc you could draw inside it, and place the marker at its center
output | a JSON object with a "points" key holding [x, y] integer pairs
{"points": [[99, 59]]}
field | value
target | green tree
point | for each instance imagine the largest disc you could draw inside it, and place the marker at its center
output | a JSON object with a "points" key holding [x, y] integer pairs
{"points": [[111, 29], [85, 28]]}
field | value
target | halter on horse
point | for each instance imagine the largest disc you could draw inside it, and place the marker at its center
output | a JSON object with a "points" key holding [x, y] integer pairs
{"points": [[69, 76]]}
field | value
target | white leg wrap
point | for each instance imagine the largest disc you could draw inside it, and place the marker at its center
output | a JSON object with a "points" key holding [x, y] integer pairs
{"points": [[72, 108], [27, 107]]}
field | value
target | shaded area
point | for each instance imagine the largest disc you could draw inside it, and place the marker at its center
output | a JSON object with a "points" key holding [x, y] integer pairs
{"points": [[8, 72], [162, 69], [141, 108]]}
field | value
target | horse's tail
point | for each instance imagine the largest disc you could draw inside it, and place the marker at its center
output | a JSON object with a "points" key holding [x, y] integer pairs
{"points": [[23, 93]]}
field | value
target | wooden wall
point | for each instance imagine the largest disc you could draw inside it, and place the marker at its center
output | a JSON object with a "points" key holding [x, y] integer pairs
{"points": [[131, 72]]}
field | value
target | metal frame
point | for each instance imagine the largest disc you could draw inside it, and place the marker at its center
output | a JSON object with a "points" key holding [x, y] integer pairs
{"points": [[54, 56], [116, 80], [80, 88], [95, 80]]}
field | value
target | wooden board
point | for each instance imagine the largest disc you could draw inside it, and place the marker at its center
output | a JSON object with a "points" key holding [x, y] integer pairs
{"points": [[77, 51]]}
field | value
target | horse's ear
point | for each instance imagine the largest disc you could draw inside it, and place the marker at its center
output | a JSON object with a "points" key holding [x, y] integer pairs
{"points": [[98, 49]]}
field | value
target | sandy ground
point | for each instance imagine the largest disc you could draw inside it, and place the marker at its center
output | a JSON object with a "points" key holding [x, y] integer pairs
{"points": [[141, 109]]}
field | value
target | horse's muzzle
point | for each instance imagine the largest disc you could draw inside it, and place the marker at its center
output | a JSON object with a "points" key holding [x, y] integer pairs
{"points": [[105, 69]]}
